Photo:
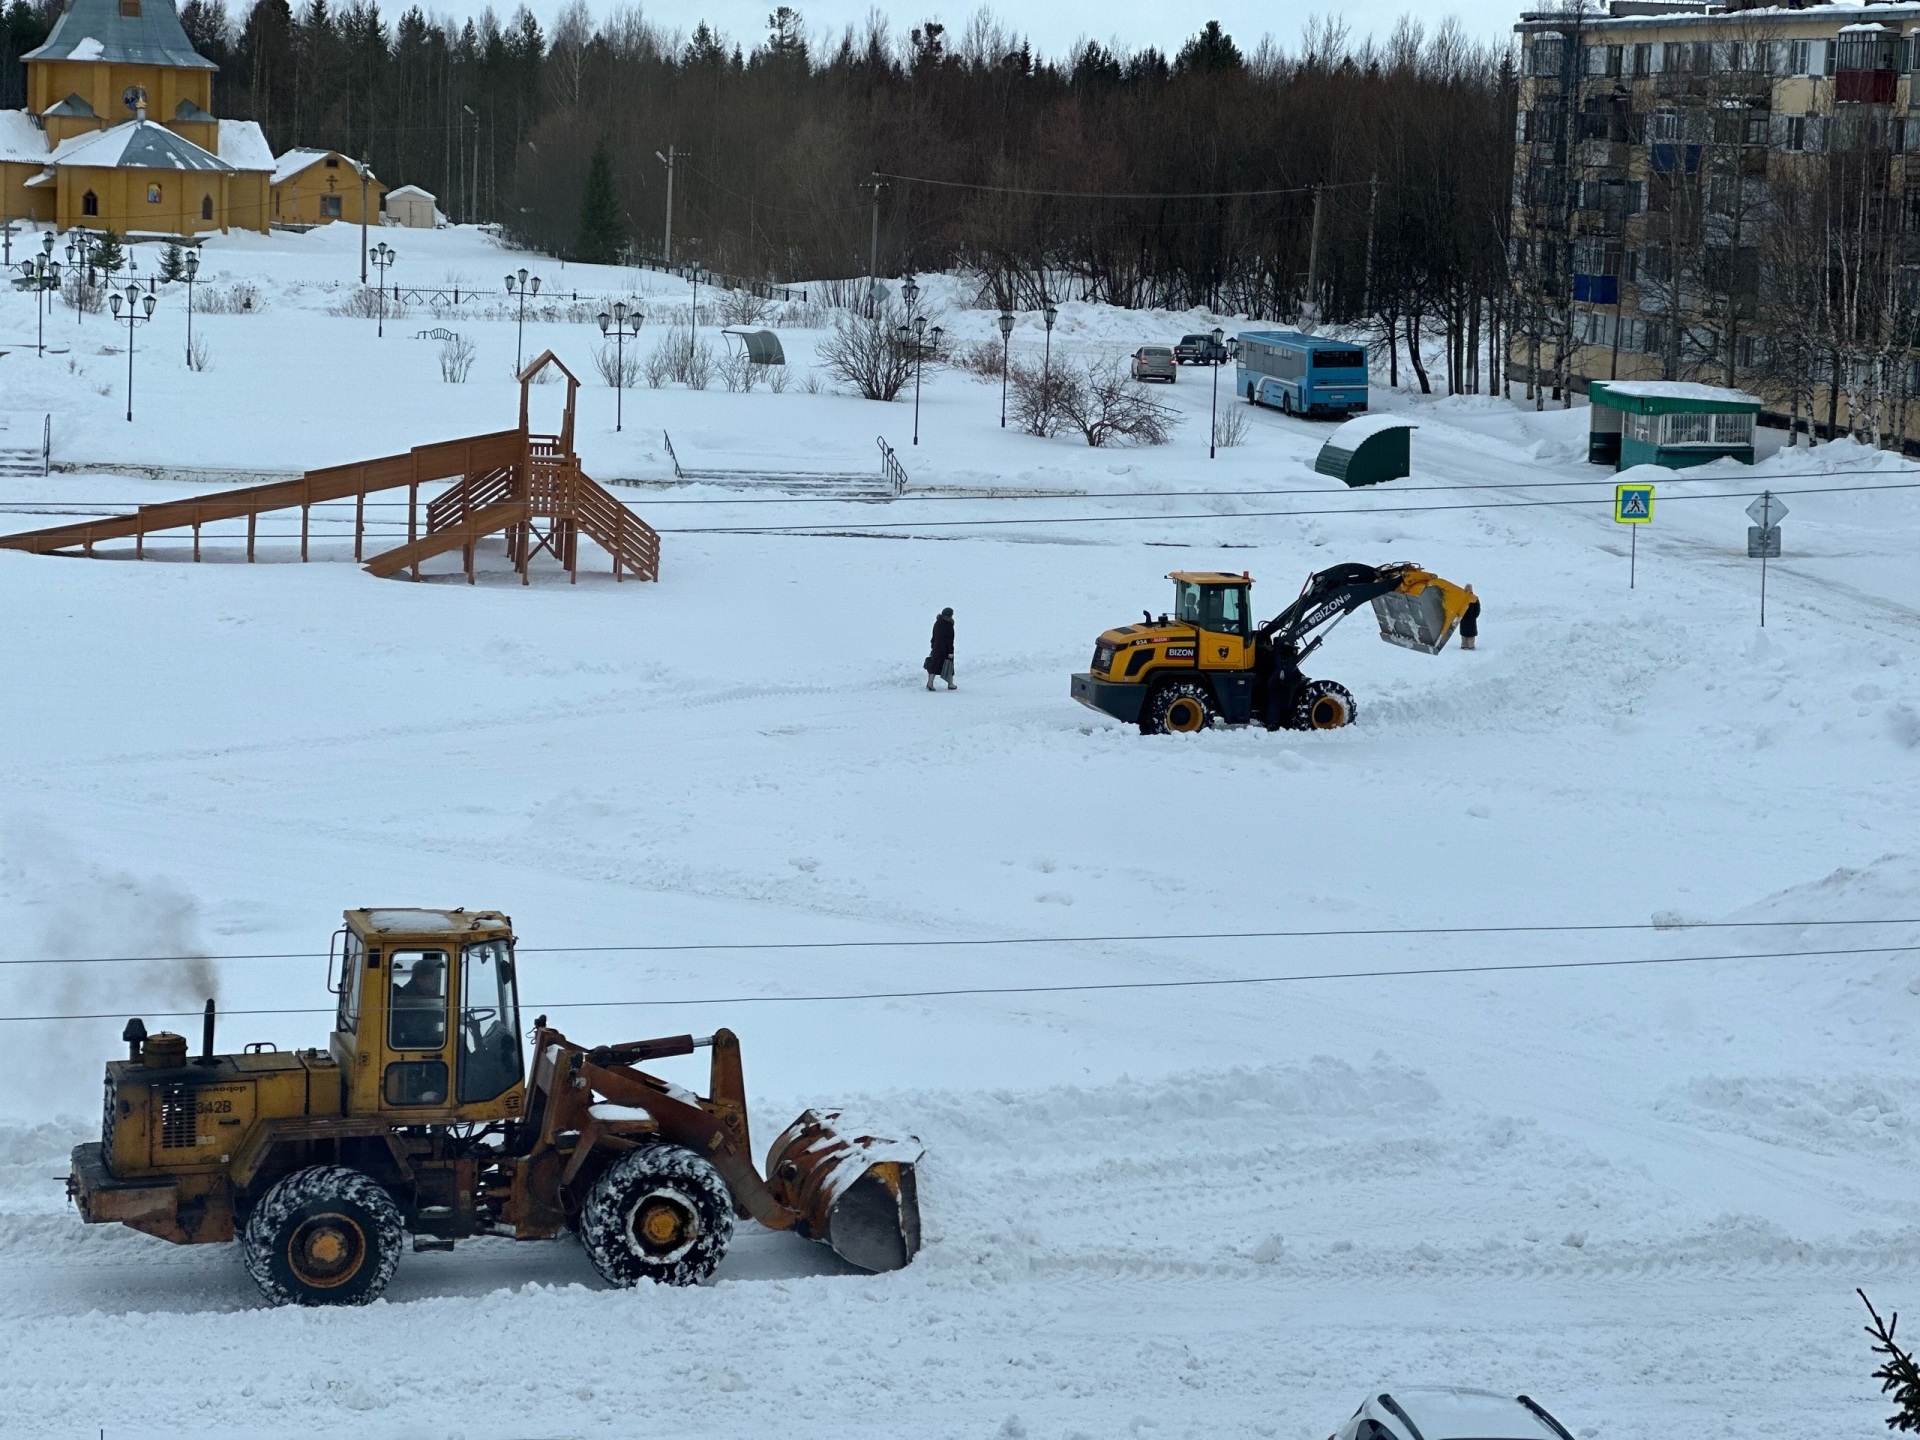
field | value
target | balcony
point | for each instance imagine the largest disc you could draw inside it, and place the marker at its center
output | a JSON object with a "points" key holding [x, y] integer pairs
{"points": [[1603, 154], [1864, 87]]}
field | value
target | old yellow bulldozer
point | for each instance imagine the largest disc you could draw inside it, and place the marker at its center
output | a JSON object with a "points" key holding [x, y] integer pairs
{"points": [[422, 1116], [1207, 663]]}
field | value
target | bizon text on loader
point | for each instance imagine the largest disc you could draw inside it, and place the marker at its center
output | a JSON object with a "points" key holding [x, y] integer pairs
{"points": [[1210, 664], [422, 1116]]}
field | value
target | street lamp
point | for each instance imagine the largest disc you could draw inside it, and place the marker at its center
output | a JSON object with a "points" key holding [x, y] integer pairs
{"points": [[1050, 314], [382, 255], [139, 310], [80, 247], [911, 290], [191, 270], [919, 336], [1216, 354], [617, 328], [526, 286], [42, 273], [693, 316], [1006, 339]]}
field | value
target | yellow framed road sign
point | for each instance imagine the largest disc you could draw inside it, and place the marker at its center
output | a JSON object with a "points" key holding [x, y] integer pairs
{"points": [[1633, 504]]}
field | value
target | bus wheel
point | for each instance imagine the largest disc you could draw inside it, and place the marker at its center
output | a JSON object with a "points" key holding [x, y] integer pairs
{"points": [[1286, 403]]}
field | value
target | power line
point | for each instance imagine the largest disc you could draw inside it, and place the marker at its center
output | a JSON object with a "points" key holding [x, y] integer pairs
{"points": [[940, 943], [1122, 195], [1101, 985]]}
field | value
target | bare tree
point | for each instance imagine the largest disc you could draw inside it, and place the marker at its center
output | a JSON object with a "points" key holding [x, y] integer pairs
{"points": [[863, 352], [1107, 405]]}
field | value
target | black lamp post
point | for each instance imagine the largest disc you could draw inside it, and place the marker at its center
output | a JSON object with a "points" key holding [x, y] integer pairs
{"points": [[80, 247], [42, 274], [1049, 314], [382, 255], [527, 285], [1006, 339], [919, 336], [1218, 353], [693, 315], [139, 310], [191, 270], [617, 326]]}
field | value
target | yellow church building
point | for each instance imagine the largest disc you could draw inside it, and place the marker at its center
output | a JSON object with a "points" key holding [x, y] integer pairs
{"points": [[118, 133]]}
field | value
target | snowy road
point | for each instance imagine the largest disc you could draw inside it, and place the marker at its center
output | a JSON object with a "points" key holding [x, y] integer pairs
{"points": [[1642, 1194]]}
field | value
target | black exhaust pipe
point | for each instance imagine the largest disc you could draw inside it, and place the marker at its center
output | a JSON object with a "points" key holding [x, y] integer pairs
{"points": [[135, 1035], [206, 1035]]}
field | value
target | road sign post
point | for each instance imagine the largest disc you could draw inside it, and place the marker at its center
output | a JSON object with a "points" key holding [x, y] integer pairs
{"points": [[1633, 505], [1763, 539]]}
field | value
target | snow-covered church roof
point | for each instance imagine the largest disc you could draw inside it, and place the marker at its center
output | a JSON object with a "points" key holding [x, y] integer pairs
{"points": [[103, 30], [139, 145]]}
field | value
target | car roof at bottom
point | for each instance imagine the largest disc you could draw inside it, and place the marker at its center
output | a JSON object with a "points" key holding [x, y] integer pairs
{"points": [[1445, 1412]]}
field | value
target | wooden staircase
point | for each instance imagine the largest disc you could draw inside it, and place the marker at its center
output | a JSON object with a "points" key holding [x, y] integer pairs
{"points": [[529, 486]]}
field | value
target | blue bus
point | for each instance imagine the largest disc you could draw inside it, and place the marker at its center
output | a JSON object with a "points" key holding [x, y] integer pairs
{"points": [[1301, 374]]}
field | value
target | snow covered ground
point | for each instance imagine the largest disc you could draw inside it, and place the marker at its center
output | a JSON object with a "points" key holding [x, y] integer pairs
{"points": [[1643, 1195]]}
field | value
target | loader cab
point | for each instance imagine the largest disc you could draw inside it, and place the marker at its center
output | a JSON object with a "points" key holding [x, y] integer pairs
{"points": [[1216, 605], [428, 1024]]}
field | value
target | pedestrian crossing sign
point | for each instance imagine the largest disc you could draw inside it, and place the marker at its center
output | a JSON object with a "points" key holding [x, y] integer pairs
{"points": [[1633, 504]]}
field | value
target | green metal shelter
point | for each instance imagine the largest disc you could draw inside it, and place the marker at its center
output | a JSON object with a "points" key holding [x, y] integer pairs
{"points": [[1674, 423], [1368, 449]]}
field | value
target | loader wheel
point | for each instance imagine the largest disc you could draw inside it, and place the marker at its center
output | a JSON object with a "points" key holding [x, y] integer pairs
{"points": [[1324, 705], [659, 1213], [1178, 709], [323, 1236]]}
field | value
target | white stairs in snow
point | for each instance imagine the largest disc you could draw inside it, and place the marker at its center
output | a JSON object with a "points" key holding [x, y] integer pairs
{"points": [[886, 483], [22, 451]]}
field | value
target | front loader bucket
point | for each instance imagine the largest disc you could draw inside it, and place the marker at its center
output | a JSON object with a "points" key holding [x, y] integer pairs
{"points": [[1422, 621], [856, 1194]]}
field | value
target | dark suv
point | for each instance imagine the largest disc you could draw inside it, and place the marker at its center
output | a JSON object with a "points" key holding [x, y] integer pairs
{"points": [[1200, 350]]}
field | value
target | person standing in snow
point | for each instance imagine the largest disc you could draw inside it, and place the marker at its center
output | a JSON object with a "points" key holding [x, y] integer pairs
{"points": [[1469, 622], [939, 659]]}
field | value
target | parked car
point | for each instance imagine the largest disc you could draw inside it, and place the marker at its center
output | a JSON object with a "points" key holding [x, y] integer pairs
{"points": [[1155, 362], [1200, 350], [1441, 1412]]}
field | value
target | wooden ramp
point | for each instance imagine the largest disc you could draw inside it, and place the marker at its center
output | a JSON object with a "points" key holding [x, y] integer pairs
{"points": [[529, 486]]}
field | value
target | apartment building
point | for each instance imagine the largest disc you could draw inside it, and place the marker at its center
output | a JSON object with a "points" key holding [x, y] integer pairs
{"points": [[1720, 192]]}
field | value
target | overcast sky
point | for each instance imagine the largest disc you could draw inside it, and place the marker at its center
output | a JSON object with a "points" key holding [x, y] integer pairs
{"points": [[1055, 25]]}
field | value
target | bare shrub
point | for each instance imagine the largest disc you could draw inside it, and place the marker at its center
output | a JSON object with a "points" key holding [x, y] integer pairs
{"points": [[808, 314], [88, 299], [364, 303], [1230, 428], [743, 307], [697, 373], [777, 378], [618, 365], [737, 372], [1107, 405], [456, 359], [980, 360], [657, 368], [863, 354], [199, 354], [1035, 396], [242, 297], [810, 383]]}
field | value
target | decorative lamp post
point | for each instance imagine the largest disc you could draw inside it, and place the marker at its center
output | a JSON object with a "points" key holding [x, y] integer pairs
{"points": [[1216, 354], [41, 273], [382, 255], [80, 247], [919, 336], [1006, 339], [139, 310], [1050, 314], [527, 285], [621, 326], [191, 270]]}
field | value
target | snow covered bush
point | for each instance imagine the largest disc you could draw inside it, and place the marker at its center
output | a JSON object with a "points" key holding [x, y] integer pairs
{"points": [[364, 303], [618, 365], [89, 297], [242, 297], [1034, 397], [657, 368], [456, 359], [1230, 428], [864, 355], [980, 360], [737, 372], [743, 307], [1108, 406], [199, 354], [696, 365], [777, 378]]}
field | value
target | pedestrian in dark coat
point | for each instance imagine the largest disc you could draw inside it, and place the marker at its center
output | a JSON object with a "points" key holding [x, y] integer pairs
{"points": [[939, 659], [1470, 622]]}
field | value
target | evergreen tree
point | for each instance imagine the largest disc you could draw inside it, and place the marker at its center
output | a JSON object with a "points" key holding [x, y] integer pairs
{"points": [[603, 235], [173, 263], [1209, 52], [1899, 1374], [109, 256]]}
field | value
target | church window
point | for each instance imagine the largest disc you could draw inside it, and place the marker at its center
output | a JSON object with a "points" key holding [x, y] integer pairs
{"points": [[206, 207], [153, 194], [130, 8], [89, 204], [329, 207], [333, 162]]}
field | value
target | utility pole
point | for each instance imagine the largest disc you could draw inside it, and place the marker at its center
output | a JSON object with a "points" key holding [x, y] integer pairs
{"points": [[666, 242], [1313, 258], [876, 185], [366, 174], [473, 189]]}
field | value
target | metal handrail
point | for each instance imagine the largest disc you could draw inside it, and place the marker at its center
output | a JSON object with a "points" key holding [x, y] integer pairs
{"points": [[46, 446], [678, 474], [891, 470]]}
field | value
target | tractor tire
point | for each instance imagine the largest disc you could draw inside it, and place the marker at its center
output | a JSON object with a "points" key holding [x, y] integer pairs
{"points": [[658, 1213], [1324, 705], [326, 1235], [1179, 708]]}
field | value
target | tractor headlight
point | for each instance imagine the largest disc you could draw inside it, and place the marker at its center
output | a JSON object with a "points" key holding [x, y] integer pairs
{"points": [[1103, 657]]}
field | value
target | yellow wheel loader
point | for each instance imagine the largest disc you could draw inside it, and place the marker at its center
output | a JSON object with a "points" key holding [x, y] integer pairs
{"points": [[423, 1116], [1207, 663]]}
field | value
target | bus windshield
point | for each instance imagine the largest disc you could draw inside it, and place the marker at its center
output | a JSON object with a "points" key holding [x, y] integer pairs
{"points": [[1338, 360]]}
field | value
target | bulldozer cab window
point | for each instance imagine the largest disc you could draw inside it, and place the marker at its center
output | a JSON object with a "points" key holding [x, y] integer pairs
{"points": [[417, 1010], [489, 1022], [1220, 608]]}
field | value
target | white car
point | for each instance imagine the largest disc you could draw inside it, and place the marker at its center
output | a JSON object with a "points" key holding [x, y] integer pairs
{"points": [[1440, 1412]]}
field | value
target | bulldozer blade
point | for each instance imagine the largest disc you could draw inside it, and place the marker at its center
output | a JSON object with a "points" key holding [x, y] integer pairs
{"points": [[856, 1194], [1418, 622]]}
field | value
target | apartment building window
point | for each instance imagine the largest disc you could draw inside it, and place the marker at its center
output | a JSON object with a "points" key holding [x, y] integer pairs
{"points": [[1799, 60], [1663, 125], [1643, 59], [1547, 52], [1676, 57], [1828, 53], [1702, 57], [1757, 128], [1616, 55], [1793, 132], [1636, 196]]}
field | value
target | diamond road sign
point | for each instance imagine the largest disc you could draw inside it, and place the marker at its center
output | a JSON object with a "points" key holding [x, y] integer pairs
{"points": [[1768, 511]]}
